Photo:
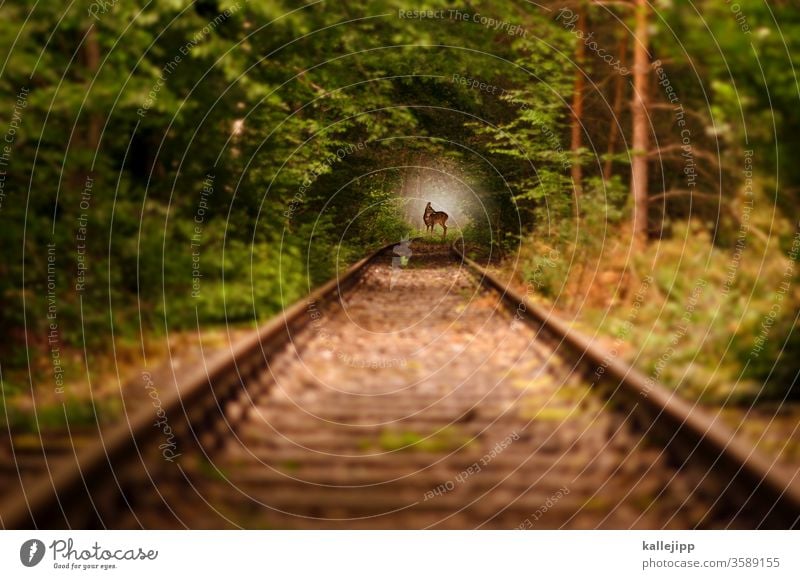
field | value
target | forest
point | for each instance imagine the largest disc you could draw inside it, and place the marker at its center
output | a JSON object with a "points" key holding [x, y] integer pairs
{"points": [[183, 166]]}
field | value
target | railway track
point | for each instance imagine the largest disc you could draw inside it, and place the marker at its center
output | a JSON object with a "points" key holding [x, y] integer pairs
{"points": [[424, 395]]}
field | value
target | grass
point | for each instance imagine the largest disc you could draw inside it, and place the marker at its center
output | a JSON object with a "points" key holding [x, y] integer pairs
{"points": [[446, 439], [436, 238], [75, 412], [551, 413], [663, 309], [210, 470], [290, 466], [82, 405]]}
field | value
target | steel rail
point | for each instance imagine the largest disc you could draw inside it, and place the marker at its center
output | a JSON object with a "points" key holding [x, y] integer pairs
{"points": [[761, 489], [97, 471], [79, 484]]}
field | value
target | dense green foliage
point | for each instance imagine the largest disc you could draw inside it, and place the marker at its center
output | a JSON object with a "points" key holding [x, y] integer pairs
{"points": [[210, 161]]}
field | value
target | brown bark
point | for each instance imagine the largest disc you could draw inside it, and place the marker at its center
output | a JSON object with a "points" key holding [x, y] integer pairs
{"points": [[619, 97], [577, 104], [640, 141]]}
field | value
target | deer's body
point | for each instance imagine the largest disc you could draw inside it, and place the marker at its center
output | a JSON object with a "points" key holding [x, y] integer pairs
{"points": [[433, 218]]}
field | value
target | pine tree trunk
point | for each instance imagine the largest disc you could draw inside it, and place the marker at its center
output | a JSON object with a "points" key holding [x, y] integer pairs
{"points": [[91, 53], [577, 105], [640, 142], [619, 97]]}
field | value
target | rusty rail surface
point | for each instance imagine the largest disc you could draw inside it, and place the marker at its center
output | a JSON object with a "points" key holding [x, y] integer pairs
{"points": [[762, 488]]}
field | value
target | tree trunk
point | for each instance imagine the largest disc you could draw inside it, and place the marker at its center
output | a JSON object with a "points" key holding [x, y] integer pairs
{"points": [[619, 97], [577, 105], [91, 53], [641, 70]]}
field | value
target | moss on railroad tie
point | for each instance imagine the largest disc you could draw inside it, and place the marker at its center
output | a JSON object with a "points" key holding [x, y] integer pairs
{"points": [[446, 439]]}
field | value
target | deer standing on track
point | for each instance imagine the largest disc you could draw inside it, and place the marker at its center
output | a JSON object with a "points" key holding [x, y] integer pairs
{"points": [[432, 218]]}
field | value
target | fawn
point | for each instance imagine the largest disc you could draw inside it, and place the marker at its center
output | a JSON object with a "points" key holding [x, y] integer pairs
{"points": [[432, 218]]}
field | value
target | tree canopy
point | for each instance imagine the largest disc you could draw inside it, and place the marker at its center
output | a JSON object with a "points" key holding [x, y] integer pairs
{"points": [[178, 162]]}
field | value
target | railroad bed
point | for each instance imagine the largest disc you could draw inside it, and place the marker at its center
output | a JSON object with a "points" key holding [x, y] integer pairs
{"points": [[414, 401]]}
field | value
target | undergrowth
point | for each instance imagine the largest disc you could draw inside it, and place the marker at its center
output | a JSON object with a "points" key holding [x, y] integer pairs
{"points": [[712, 318]]}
